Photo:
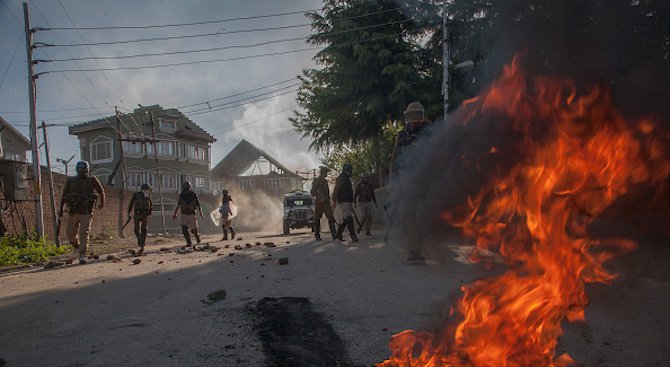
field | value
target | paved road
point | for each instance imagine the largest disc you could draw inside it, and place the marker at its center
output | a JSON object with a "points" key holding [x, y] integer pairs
{"points": [[157, 313]]}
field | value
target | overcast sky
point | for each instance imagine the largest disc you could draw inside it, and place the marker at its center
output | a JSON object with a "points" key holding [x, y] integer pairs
{"points": [[92, 94]]}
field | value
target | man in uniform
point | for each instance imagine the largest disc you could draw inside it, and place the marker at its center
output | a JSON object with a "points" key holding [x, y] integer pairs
{"points": [[321, 192], [364, 198], [80, 197], [343, 200], [141, 203], [415, 124], [188, 203]]}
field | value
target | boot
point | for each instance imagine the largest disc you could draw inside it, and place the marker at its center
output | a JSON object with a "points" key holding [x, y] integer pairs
{"points": [[197, 236], [225, 234], [187, 236], [340, 231], [232, 233], [352, 231], [333, 231], [317, 231]]}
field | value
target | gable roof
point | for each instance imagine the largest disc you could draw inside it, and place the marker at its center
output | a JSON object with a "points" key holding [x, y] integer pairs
{"points": [[241, 158], [132, 123], [22, 139]]}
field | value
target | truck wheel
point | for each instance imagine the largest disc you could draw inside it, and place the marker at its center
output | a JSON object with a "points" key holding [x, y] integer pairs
{"points": [[287, 230]]}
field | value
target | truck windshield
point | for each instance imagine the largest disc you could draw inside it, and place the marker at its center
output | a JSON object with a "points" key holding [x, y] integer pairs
{"points": [[298, 202]]}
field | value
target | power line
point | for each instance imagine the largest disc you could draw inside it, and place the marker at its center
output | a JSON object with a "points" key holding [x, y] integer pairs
{"points": [[248, 30], [188, 24], [217, 107], [79, 67], [177, 37], [62, 110], [89, 50], [11, 61], [255, 121], [226, 47], [229, 59], [239, 94]]}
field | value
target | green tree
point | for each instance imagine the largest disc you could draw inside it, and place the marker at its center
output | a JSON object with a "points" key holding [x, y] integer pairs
{"points": [[369, 70]]}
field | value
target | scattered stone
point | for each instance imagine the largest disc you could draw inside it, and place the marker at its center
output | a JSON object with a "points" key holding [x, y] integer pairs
{"points": [[283, 261], [226, 246], [238, 247], [247, 245], [229, 347], [217, 295], [269, 244], [94, 257], [165, 249], [213, 249], [103, 280], [262, 264], [231, 261], [110, 257], [133, 252], [258, 243], [287, 242], [116, 259], [137, 261], [262, 276], [185, 250], [160, 262], [231, 254]]}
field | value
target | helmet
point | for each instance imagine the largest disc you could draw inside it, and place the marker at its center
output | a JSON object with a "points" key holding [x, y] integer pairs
{"points": [[145, 187], [82, 165], [185, 186], [348, 168], [365, 176], [82, 168], [414, 114], [324, 170], [224, 192]]}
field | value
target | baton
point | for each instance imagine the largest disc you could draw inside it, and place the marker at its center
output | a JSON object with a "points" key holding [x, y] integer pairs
{"points": [[126, 223]]}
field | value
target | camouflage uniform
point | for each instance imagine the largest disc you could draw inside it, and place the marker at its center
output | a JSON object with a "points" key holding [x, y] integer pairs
{"points": [[80, 198], [364, 197], [343, 198], [321, 192], [188, 203], [143, 207]]}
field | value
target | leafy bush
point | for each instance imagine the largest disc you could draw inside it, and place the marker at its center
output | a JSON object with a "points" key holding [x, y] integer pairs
{"points": [[22, 249]]}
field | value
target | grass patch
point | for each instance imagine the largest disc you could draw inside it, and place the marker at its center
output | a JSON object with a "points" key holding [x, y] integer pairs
{"points": [[22, 249]]}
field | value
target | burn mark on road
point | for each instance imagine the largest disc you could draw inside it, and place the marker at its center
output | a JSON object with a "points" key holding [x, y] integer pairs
{"points": [[295, 335]]}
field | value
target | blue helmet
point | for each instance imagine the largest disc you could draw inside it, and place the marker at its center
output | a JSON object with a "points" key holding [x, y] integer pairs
{"points": [[82, 165], [348, 168]]}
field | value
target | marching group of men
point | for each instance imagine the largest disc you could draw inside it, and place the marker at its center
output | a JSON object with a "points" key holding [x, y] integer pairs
{"points": [[82, 192]]}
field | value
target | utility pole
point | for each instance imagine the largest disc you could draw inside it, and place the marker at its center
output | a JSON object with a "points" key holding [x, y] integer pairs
{"points": [[445, 58], [120, 138], [51, 184], [65, 162], [158, 169], [39, 213]]}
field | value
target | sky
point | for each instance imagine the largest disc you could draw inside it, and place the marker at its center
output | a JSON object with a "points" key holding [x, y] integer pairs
{"points": [[77, 91]]}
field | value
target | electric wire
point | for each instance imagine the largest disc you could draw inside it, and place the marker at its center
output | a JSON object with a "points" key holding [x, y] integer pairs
{"points": [[11, 60], [229, 59], [241, 100]]}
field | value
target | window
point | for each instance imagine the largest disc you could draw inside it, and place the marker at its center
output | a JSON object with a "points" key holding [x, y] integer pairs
{"points": [[101, 151], [153, 179], [169, 181], [200, 182], [149, 148], [132, 148], [182, 150], [165, 124], [196, 152], [166, 148], [135, 179], [247, 184]]}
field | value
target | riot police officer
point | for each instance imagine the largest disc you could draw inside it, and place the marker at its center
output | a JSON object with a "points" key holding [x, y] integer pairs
{"points": [[321, 193], [142, 206], [188, 203], [80, 194]]}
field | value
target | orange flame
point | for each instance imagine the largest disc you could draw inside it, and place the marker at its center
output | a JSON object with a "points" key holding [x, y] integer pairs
{"points": [[536, 215]]}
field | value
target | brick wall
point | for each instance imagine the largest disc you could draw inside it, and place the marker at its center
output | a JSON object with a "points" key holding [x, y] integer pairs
{"points": [[108, 220]]}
